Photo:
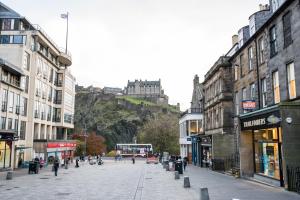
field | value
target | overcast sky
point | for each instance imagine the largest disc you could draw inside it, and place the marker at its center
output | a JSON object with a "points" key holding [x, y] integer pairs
{"points": [[113, 41]]}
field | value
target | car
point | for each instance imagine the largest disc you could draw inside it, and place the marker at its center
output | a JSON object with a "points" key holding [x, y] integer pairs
{"points": [[152, 159]]}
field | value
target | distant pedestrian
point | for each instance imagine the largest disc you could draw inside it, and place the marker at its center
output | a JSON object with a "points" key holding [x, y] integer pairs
{"points": [[133, 159], [55, 166], [185, 162], [77, 164]]}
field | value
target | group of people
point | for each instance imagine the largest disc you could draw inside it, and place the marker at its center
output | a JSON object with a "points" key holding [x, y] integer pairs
{"points": [[184, 161]]}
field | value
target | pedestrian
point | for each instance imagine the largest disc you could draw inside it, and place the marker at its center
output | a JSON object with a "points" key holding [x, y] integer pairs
{"points": [[133, 159], [185, 162], [42, 162], [77, 164], [55, 166]]}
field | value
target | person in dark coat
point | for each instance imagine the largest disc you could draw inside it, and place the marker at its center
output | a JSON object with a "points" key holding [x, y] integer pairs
{"points": [[185, 162], [55, 166], [133, 159], [77, 164]]}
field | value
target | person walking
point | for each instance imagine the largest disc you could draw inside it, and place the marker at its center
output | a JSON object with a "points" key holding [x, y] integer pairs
{"points": [[55, 166], [185, 162], [133, 159], [77, 164]]}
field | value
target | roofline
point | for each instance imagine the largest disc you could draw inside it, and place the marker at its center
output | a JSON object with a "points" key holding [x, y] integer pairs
{"points": [[269, 21]]}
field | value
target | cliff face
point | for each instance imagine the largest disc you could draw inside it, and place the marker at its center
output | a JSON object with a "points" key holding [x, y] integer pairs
{"points": [[116, 118]]}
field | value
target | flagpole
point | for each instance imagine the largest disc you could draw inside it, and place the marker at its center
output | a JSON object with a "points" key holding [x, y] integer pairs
{"points": [[67, 32]]}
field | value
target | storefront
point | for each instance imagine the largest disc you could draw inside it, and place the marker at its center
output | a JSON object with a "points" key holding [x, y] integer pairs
{"points": [[7, 139], [48, 150], [260, 147], [205, 151]]}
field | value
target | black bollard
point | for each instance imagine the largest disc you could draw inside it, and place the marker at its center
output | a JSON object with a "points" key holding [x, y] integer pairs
{"points": [[204, 194]]}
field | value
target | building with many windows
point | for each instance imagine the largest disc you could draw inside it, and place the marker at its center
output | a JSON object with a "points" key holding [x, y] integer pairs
{"points": [[218, 109], [45, 101], [266, 95]]}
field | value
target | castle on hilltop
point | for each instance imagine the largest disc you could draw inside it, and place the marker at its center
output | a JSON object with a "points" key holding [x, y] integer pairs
{"points": [[149, 90]]}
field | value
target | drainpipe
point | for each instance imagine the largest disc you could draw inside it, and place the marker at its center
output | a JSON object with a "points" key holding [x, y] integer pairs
{"points": [[257, 71]]}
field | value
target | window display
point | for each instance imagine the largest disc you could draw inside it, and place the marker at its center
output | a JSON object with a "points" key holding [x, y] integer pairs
{"points": [[266, 143]]}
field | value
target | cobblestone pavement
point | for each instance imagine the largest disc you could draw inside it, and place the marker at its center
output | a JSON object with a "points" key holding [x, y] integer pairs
{"points": [[125, 181]]}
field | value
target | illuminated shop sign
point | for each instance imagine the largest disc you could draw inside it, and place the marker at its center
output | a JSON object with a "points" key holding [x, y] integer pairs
{"points": [[261, 121]]}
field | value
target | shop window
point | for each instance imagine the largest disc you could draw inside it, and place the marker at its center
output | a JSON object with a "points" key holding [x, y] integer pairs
{"points": [[5, 153], [267, 152], [276, 89], [291, 80]]}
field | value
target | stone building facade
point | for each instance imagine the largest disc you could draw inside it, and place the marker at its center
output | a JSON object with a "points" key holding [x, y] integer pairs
{"points": [[266, 94], [150, 90], [218, 109]]}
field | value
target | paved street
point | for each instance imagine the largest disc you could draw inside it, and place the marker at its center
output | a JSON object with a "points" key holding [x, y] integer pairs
{"points": [[123, 180]]}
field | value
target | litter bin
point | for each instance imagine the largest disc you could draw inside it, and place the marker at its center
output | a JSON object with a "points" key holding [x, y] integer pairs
{"points": [[178, 167]]}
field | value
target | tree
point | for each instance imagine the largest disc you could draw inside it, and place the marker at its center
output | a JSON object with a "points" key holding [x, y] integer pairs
{"points": [[95, 144], [162, 132]]}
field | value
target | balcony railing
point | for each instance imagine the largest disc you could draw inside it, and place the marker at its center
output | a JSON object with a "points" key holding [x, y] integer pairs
{"points": [[57, 101]]}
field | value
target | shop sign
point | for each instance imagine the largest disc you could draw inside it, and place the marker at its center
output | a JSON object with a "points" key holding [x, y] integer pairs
{"points": [[248, 104], [262, 121], [189, 139], [206, 140], [60, 144]]}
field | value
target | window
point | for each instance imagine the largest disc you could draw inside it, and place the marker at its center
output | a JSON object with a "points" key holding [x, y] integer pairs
{"points": [[236, 72], [273, 42], [17, 103], [287, 29], [250, 58], [241, 65], [10, 101], [252, 91], [276, 89], [18, 39], [291, 80], [16, 127], [23, 106], [237, 103], [10, 124], [244, 96], [264, 92], [22, 130], [261, 50], [7, 24], [4, 100], [26, 64], [3, 122], [4, 39]]}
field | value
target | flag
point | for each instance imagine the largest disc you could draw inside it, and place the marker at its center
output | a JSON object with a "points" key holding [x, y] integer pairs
{"points": [[64, 16]]}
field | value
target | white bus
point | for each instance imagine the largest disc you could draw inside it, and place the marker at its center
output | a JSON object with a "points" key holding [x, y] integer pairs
{"points": [[142, 150]]}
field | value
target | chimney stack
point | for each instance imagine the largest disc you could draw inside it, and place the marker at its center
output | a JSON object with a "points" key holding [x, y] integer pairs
{"points": [[263, 7], [235, 39]]}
